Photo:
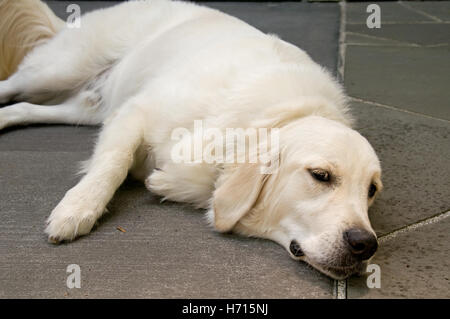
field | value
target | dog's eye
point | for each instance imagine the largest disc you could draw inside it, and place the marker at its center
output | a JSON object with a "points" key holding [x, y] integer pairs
{"points": [[372, 190], [320, 175]]}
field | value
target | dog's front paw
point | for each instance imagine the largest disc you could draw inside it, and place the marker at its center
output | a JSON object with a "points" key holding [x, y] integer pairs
{"points": [[70, 219]]}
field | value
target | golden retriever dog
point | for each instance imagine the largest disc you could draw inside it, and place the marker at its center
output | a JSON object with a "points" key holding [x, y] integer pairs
{"points": [[146, 70]]}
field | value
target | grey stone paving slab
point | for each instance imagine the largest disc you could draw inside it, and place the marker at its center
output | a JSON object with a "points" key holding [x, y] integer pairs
{"points": [[421, 34], [438, 9], [33, 180], [398, 66], [48, 138], [414, 152], [413, 265], [411, 78], [167, 249], [390, 12], [166, 252]]}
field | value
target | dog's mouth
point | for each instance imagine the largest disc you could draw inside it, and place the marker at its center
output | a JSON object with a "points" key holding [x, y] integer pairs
{"points": [[341, 272], [333, 271], [338, 272]]}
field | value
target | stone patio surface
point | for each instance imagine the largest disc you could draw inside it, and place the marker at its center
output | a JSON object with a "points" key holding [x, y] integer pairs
{"points": [[398, 79]]}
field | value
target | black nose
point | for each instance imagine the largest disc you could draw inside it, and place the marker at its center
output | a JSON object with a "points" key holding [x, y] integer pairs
{"points": [[362, 243]]}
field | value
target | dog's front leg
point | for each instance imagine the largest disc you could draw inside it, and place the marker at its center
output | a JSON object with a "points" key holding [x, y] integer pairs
{"points": [[78, 211]]}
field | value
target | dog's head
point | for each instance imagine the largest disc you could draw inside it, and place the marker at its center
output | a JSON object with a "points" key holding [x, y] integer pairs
{"points": [[315, 204]]}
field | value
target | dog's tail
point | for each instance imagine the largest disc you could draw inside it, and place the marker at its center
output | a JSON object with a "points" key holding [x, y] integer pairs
{"points": [[24, 24]]}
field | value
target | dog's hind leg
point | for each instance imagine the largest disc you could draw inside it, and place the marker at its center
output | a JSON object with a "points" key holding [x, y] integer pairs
{"points": [[43, 84], [113, 156], [7, 91], [185, 183], [83, 109]]}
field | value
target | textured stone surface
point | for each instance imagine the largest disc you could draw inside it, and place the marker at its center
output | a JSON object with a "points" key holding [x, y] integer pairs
{"points": [[167, 250], [414, 152], [404, 67], [407, 34], [411, 78], [436, 10], [391, 12], [45, 138], [412, 265]]}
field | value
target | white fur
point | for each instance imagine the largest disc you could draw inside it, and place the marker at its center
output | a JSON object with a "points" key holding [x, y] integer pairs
{"points": [[177, 62]]}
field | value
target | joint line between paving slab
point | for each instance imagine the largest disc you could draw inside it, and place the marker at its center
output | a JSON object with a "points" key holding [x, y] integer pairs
{"points": [[402, 23], [384, 39], [341, 289], [396, 45], [428, 221], [432, 17], [357, 99], [342, 44], [340, 286]]}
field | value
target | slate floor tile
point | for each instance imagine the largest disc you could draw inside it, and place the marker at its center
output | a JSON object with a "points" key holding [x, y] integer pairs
{"points": [[48, 138], [412, 34], [404, 66], [414, 152], [167, 251], [411, 78], [34, 180], [437, 9], [412, 265], [390, 12]]}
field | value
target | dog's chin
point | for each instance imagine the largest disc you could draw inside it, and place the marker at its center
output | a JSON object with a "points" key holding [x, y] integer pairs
{"points": [[338, 272]]}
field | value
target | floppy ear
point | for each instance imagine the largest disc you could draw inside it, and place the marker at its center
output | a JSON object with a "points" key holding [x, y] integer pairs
{"points": [[237, 195]]}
